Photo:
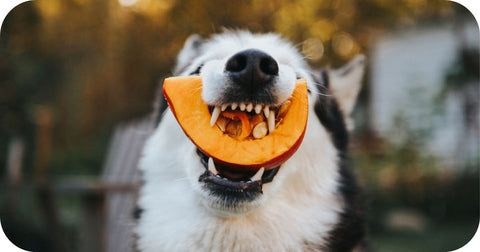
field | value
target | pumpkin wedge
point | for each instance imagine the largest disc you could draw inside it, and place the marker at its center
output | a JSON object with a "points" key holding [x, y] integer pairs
{"points": [[240, 140]]}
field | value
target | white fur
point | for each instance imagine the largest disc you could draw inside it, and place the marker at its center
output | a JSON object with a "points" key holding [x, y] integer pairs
{"points": [[347, 86], [300, 203], [296, 210]]}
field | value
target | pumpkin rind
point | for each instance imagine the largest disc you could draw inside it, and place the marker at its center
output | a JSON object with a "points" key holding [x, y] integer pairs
{"points": [[184, 98]]}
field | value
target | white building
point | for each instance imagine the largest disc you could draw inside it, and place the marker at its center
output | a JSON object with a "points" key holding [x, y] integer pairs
{"points": [[408, 70]]}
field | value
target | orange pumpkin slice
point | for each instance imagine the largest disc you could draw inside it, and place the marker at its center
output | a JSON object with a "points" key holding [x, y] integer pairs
{"points": [[243, 152]]}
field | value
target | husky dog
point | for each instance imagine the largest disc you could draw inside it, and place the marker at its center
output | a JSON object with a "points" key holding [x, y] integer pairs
{"points": [[311, 202]]}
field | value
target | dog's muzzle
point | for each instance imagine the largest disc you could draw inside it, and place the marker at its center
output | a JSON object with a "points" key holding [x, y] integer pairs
{"points": [[251, 73]]}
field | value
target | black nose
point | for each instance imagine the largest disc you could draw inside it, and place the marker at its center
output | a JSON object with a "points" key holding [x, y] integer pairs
{"points": [[252, 69]]}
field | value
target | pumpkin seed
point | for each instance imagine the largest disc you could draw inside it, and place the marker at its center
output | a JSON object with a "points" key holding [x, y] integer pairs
{"points": [[284, 108], [260, 130], [222, 123], [234, 128]]}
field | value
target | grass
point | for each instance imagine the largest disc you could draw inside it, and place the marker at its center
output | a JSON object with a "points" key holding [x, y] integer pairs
{"points": [[436, 238]]}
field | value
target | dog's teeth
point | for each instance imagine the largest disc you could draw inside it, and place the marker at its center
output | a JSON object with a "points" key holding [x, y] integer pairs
{"points": [[266, 111], [234, 105], [271, 121], [258, 108], [242, 106], [258, 175], [215, 114], [211, 166], [249, 107], [224, 107]]}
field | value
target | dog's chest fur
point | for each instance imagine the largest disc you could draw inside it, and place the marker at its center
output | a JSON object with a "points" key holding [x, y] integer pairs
{"points": [[298, 217]]}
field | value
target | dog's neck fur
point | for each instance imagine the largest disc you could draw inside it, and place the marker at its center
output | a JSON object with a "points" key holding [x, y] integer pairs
{"points": [[297, 218]]}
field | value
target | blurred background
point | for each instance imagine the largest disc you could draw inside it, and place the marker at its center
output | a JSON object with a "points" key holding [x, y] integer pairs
{"points": [[78, 80]]}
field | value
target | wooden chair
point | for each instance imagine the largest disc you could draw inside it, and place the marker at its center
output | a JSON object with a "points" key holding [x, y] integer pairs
{"points": [[121, 178]]}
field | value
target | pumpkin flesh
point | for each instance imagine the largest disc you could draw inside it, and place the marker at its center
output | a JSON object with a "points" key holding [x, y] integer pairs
{"points": [[243, 152]]}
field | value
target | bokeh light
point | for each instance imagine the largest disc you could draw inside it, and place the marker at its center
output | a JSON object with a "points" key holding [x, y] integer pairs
{"points": [[313, 49]]}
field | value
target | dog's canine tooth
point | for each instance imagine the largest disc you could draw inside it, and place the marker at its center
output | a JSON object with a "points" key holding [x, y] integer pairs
{"points": [[271, 121], [234, 105], [211, 166], [266, 111], [258, 175], [242, 106], [224, 107], [215, 114], [249, 107], [258, 108]]}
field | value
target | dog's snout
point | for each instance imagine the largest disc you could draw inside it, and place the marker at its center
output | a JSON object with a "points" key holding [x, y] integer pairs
{"points": [[252, 69]]}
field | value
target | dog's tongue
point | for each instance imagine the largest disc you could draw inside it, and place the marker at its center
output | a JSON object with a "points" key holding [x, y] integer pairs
{"points": [[226, 144], [234, 175]]}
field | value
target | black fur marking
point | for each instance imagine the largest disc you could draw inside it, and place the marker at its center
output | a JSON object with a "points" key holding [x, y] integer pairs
{"points": [[331, 117], [137, 212], [197, 43], [324, 77], [197, 71], [231, 192], [162, 102], [161, 105], [349, 232], [321, 79]]}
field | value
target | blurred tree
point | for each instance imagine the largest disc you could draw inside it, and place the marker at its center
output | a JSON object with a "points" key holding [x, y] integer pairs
{"points": [[94, 63]]}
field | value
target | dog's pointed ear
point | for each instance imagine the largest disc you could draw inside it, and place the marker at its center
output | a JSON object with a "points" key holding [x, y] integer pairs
{"points": [[190, 50], [345, 84]]}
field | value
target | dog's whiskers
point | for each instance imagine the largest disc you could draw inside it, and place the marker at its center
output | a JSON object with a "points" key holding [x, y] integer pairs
{"points": [[181, 179]]}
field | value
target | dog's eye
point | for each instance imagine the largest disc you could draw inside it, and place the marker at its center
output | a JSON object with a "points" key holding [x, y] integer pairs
{"points": [[197, 71]]}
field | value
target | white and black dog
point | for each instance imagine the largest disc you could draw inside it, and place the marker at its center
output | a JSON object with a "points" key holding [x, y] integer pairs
{"points": [[311, 202]]}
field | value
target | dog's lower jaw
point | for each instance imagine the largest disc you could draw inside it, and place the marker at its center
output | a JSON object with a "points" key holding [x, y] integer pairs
{"points": [[223, 201], [224, 209]]}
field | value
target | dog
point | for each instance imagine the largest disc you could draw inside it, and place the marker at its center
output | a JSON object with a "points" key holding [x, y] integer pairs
{"points": [[312, 202]]}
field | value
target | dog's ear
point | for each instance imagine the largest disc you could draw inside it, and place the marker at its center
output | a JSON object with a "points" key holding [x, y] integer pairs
{"points": [[190, 50], [345, 83]]}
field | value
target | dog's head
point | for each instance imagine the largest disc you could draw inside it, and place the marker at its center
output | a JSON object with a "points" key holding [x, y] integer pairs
{"points": [[256, 73]]}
